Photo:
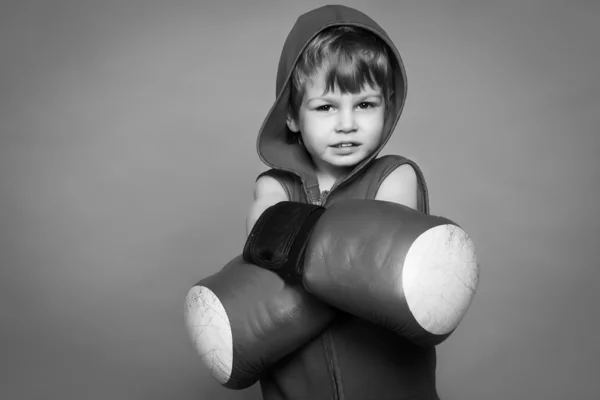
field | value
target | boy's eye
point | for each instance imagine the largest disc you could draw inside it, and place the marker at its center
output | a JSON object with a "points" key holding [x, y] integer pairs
{"points": [[325, 107], [366, 104]]}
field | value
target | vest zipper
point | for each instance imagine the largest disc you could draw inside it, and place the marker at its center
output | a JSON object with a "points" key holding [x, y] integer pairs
{"points": [[327, 339]]}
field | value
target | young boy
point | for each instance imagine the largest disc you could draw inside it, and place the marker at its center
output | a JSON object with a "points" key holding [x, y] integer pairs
{"points": [[341, 87]]}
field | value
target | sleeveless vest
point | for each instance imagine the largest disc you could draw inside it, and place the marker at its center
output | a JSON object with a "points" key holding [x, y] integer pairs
{"points": [[354, 359]]}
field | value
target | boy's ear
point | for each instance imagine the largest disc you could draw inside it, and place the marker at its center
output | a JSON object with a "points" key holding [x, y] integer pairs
{"points": [[291, 123]]}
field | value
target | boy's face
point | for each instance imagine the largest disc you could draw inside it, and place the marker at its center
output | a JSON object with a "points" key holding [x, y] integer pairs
{"points": [[339, 130]]}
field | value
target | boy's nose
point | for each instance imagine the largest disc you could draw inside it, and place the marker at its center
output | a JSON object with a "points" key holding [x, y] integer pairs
{"points": [[346, 121]]}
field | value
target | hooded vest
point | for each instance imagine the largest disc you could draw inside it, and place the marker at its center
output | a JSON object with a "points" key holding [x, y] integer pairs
{"points": [[352, 359]]}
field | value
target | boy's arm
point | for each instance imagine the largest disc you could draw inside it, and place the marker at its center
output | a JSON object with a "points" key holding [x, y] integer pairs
{"points": [[267, 192], [400, 186]]}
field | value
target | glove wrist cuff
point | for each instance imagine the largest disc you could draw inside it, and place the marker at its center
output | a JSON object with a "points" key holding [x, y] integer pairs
{"points": [[279, 238]]}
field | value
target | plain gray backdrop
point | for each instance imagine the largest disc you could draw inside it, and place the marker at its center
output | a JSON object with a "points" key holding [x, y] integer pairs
{"points": [[127, 163]]}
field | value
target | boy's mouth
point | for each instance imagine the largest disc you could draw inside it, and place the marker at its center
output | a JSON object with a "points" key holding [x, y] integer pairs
{"points": [[345, 144]]}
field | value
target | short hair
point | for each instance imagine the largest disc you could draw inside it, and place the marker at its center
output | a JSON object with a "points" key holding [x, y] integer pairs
{"points": [[349, 57]]}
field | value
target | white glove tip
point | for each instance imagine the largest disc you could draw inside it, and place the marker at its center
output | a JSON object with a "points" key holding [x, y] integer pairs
{"points": [[210, 331], [439, 278]]}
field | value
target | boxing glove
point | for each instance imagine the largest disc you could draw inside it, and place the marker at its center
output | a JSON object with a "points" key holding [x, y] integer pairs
{"points": [[413, 273], [244, 318]]}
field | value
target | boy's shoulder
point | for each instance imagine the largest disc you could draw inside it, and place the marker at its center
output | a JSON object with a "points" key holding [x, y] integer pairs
{"points": [[399, 172], [288, 181], [382, 166]]}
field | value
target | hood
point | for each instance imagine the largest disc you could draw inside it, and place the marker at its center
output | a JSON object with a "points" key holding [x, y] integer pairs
{"points": [[272, 145]]}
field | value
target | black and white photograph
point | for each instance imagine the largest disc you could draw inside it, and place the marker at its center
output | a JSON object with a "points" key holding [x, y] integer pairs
{"points": [[299, 200]]}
